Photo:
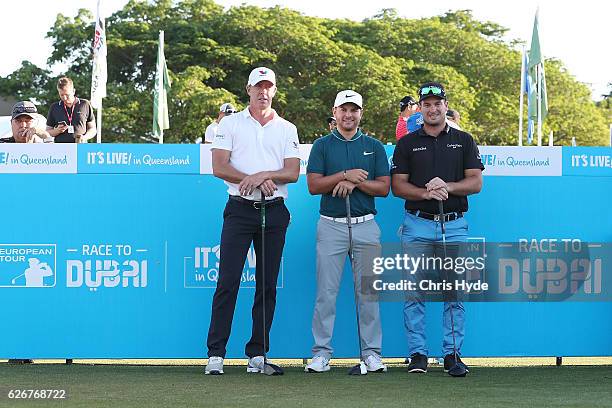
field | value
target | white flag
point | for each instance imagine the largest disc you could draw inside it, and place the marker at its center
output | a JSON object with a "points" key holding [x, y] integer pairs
{"points": [[99, 75]]}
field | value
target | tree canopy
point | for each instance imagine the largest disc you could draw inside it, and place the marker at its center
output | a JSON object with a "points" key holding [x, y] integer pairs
{"points": [[210, 53]]}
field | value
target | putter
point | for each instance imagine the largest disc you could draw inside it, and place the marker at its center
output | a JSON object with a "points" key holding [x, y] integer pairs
{"points": [[269, 368], [458, 369], [359, 369]]}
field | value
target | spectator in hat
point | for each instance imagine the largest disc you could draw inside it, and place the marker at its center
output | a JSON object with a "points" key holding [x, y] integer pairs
{"points": [[225, 110], [26, 125], [410, 118], [331, 123]]}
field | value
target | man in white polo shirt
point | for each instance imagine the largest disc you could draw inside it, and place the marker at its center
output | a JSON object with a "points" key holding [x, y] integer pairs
{"points": [[211, 130], [255, 151]]}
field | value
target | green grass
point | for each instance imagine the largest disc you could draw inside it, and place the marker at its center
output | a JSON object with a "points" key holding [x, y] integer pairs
{"points": [[186, 386]]}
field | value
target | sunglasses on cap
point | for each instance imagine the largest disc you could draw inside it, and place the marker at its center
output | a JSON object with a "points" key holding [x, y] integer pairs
{"points": [[24, 109], [432, 90]]}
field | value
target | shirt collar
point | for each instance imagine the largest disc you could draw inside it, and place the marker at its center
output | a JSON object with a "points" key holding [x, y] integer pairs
{"points": [[356, 136], [247, 114], [422, 132]]}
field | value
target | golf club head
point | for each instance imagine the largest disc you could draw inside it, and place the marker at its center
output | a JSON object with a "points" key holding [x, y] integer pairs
{"points": [[458, 370], [359, 369], [272, 369]]}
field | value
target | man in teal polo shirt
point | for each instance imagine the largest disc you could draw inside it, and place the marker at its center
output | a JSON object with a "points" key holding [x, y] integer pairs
{"points": [[346, 162]]}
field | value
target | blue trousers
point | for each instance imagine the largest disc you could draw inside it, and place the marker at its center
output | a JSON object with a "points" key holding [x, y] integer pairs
{"points": [[423, 237]]}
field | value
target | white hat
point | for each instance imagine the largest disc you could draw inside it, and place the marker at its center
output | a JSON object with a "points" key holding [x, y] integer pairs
{"points": [[261, 74], [227, 108], [348, 96]]}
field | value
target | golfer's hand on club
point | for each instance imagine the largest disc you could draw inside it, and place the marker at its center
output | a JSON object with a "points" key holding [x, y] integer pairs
{"points": [[268, 188], [436, 183], [440, 194], [253, 181], [356, 176], [343, 189]]}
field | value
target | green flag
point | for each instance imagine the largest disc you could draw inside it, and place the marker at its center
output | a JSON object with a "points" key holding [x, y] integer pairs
{"points": [[537, 84], [160, 93]]}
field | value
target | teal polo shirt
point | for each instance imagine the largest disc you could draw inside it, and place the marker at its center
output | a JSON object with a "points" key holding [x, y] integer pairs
{"points": [[333, 153]]}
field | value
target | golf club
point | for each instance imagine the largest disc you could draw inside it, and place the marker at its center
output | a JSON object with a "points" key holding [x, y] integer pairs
{"points": [[269, 368], [458, 369], [359, 369], [16, 277]]}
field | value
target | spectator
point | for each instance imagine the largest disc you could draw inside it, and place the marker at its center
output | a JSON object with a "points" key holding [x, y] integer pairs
{"points": [[410, 118], [452, 118], [71, 120], [331, 123], [24, 121], [211, 131]]}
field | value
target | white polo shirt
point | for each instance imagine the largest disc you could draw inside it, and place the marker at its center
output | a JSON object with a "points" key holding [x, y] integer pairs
{"points": [[257, 148], [211, 131]]}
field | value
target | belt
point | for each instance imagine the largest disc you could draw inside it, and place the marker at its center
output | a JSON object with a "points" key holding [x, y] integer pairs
{"points": [[257, 204], [354, 220], [452, 216]]}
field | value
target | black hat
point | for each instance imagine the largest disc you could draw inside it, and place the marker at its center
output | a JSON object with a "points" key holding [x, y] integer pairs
{"points": [[431, 89], [330, 120], [24, 108], [406, 101]]}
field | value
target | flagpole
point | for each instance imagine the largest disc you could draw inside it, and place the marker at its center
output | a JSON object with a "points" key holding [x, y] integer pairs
{"points": [[539, 107], [520, 129]]}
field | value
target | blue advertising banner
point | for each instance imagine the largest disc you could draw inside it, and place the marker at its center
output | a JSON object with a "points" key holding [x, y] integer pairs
{"points": [[139, 158], [110, 266], [587, 161]]}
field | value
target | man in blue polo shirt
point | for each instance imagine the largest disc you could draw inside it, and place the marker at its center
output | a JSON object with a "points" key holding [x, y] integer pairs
{"points": [[346, 162], [436, 163]]}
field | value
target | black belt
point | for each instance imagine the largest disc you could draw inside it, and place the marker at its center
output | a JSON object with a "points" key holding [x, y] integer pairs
{"points": [[257, 204], [452, 216]]}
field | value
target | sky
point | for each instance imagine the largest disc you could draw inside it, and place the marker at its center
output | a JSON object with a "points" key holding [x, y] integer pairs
{"points": [[576, 33]]}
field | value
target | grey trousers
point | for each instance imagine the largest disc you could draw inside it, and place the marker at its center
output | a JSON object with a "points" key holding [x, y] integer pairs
{"points": [[332, 253]]}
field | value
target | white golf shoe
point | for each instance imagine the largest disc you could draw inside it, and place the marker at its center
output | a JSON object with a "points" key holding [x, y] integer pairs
{"points": [[214, 366], [374, 364], [319, 364], [255, 365]]}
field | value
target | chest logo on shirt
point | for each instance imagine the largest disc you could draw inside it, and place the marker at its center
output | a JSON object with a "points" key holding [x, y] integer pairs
{"points": [[419, 149], [454, 145], [367, 153]]}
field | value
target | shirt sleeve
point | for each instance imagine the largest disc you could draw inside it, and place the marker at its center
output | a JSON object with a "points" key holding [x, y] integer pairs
{"points": [[292, 144], [50, 121], [316, 160], [382, 163], [471, 155], [400, 128], [224, 139], [90, 113], [209, 135], [401, 160]]}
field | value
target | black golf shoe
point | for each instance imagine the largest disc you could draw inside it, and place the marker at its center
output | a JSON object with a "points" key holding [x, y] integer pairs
{"points": [[449, 362], [418, 363]]}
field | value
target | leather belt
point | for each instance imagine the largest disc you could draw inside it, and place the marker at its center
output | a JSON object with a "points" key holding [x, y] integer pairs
{"points": [[452, 216], [354, 220], [257, 204]]}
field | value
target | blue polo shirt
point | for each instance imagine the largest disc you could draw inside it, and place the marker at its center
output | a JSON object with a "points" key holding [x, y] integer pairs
{"points": [[333, 153]]}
